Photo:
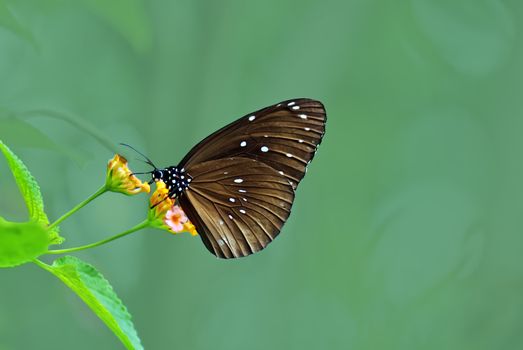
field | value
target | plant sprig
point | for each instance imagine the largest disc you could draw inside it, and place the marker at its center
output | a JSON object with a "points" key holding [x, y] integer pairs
{"points": [[24, 242]]}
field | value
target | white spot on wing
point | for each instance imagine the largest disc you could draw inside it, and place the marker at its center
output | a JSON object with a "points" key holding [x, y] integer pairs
{"points": [[281, 172], [242, 211], [291, 103], [289, 155], [295, 107], [243, 144], [221, 242], [244, 199], [265, 149], [238, 181], [252, 117], [242, 191], [230, 216], [307, 129], [232, 200], [300, 141], [303, 116], [221, 222]]}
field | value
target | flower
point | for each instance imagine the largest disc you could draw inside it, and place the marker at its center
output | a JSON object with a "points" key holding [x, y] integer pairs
{"points": [[166, 215], [160, 205], [175, 218], [189, 227], [120, 179], [177, 222]]}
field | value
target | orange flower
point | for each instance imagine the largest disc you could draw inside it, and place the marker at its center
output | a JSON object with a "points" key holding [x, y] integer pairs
{"points": [[166, 215], [175, 218], [120, 179]]}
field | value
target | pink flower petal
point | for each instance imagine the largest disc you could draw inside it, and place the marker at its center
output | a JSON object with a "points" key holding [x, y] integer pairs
{"points": [[175, 218]]}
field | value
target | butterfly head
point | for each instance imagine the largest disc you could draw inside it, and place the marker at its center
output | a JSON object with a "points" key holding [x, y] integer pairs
{"points": [[176, 180], [157, 175]]}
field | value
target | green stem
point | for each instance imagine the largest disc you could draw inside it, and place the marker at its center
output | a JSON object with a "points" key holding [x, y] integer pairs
{"points": [[42, 264], [98, 193], [138, 227]]}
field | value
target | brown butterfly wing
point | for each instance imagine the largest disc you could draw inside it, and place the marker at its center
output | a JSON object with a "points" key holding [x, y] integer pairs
{"points": [[238, 205], [284, 136]]}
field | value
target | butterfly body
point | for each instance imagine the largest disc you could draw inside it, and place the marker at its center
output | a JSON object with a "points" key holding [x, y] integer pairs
{"points": [[237, 186], [175, 179]]}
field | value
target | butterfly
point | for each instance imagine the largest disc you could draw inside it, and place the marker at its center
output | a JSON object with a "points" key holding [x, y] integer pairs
{"points": [[237, 185]]}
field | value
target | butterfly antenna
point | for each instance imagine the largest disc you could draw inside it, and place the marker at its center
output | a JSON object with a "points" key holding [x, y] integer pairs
{"points": [[154, 206], [147, 160], [145, 172]]}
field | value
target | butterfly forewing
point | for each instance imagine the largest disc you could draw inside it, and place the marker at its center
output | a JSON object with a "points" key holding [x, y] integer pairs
{"points": [[284, 136], [237, 185], [237, 204]]}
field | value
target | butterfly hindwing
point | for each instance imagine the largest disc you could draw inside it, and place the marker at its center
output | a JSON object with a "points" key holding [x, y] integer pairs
{"points": [[237, 204]]}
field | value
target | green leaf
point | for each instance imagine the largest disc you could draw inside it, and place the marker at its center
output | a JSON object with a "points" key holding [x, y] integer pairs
{"points": [[15, 131], [30, 191], [9, 21], [21, 242], [127, 17], [98, 294], [78, 122]]}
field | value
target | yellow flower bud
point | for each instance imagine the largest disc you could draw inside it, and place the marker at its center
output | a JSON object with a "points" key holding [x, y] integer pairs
{"points": [[120, 179]]}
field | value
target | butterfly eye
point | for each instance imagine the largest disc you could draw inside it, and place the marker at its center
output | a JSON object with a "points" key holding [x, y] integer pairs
{"points": [[157, 175]]}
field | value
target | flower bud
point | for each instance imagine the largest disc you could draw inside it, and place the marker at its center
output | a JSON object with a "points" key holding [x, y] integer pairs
{"points": [[120, 179]]}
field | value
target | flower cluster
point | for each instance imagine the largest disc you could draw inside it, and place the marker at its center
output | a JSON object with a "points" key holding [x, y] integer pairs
{"points": [[178, 222], [120, 179], [165, 214]]}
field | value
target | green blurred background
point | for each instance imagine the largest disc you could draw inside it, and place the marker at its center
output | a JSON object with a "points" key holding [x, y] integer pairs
{"points": [[405, 234]]}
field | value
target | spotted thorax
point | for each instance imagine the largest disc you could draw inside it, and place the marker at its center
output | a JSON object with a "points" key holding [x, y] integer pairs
{"points": [[176, 180]]}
